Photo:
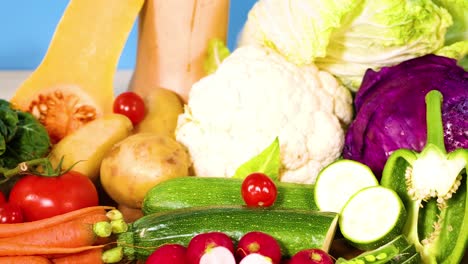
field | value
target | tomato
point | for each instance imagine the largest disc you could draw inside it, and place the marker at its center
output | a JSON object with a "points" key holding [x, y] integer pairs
{"points": [[131, 105], [41, 197], [10, 213], [2, 198], [258, 190]]}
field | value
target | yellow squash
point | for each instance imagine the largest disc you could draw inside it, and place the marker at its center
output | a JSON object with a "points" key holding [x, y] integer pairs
{"points": [[74, 82]]}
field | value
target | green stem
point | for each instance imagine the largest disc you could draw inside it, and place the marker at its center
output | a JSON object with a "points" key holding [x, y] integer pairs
{"points": [[435, 128], [22, 168], [113, 255]]}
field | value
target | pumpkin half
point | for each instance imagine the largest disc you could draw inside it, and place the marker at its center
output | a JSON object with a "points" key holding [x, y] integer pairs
{"points": [[74, 82]]}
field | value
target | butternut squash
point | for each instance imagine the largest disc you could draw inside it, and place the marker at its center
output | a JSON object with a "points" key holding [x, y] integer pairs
{"points": [[172, 42], [74, 82]]}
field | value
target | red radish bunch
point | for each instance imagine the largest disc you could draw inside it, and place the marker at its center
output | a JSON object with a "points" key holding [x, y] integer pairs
{"points": [[311, 256], [169, 253], [216, 247], [204, 243], [261, 243]]}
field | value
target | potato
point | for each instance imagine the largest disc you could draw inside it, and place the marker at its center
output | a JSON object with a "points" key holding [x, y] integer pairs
{"points": [[162, 111], [139, 162], [85, 148]]}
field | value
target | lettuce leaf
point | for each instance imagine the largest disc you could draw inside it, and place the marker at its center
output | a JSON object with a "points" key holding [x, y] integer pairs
{"points": [[346, 38]]}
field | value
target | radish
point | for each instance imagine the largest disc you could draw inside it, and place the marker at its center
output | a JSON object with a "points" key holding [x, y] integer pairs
{"points": [[169, 253], [311, 256], [202, 243], [261, 243], [255, 258], [217, 255]]}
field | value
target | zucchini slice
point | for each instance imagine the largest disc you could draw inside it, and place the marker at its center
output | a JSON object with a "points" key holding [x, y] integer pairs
{"points": [[337, 182], [372, 217]]}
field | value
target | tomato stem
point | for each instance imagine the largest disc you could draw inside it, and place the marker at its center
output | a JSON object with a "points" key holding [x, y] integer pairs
{"points": [[23, 168]]}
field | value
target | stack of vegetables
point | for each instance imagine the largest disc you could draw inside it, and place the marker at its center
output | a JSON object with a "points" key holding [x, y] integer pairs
{"points": [[332, 122]]}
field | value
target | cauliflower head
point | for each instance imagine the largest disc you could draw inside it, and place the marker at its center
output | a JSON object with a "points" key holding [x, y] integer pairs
{"points": [[255, 96]]}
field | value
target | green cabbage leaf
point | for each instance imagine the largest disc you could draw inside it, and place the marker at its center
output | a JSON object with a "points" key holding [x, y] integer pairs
{"points": [[346, 38]]}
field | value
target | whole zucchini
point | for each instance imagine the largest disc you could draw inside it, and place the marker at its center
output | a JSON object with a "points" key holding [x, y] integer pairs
{"points": [[294, 229], [185, 192]]}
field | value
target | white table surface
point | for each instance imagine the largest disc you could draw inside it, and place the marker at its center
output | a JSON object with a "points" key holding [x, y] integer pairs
{"points": [[10, 80]]}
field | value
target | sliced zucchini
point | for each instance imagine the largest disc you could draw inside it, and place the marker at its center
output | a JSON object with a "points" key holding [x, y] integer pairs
{"points": [[337, 182], [372, 217]]}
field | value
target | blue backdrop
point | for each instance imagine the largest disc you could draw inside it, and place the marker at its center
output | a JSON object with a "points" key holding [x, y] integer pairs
{"points": [[26, 27]]}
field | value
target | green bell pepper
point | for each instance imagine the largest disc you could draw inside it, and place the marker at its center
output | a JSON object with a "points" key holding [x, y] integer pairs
{"points": [[432, 184]]}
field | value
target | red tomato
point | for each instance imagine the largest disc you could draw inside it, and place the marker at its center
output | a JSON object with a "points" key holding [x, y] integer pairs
{"points": [[258, 190], [131, 105], [2, 198], [42, 197], [10, 213]]}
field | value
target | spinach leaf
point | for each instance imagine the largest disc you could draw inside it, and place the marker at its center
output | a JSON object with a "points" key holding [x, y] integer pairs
{"points": [[22, 137], [8, 124]]}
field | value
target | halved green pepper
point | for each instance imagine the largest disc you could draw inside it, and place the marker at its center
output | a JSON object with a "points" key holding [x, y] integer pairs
{"points": [[432, 185]]}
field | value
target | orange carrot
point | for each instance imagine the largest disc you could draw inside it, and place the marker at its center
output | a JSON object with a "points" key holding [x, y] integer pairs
{"points": [[93, 256], [24, 260], [8, 230], [34, 250], [75, 233]]}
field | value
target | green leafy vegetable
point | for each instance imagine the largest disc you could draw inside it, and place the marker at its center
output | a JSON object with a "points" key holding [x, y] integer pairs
{"points": [[217, 52], [22, 137], [433, 189], [348, 37], [267, 162], [458, 9]]}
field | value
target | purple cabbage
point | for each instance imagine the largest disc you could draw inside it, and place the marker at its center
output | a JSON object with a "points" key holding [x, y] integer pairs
{"points": [[390, 109]]}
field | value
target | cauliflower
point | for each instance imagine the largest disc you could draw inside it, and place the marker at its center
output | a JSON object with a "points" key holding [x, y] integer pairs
{"points": [[255, 96]]}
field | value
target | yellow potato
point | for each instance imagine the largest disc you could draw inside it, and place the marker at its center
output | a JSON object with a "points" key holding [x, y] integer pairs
{"points": [[85, 148], [138, 163], [162, 110]]}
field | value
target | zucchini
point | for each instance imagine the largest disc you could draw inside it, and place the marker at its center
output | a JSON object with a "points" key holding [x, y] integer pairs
{"points": [[294, 229], [396, 251], [185, 192], [337, 182], [372, 217]]}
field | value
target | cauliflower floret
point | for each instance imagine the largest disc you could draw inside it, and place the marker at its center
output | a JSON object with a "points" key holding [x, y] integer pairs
{"points": [[255, 96]]}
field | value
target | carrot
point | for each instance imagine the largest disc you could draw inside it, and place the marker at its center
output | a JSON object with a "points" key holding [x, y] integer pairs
{"points": [[34, 250], [24, 260], [75, 233], [8, 230], [93, 256]]}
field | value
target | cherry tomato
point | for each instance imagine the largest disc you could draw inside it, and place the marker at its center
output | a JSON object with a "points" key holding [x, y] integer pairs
{"points": [[258, 190], [131, 105], [42, 197], [10, 213]]}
